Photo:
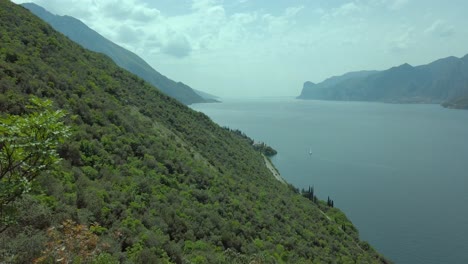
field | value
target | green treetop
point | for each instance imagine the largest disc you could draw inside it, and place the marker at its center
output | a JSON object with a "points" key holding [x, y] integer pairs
{"points": [[27, 147]]}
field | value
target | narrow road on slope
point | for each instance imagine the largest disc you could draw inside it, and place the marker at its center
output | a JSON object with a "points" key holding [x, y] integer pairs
{"points": [[273, 170], [275, 173]]}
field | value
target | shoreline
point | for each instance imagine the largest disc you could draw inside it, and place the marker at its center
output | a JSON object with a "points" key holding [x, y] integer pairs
{"points": [[273, 170]]}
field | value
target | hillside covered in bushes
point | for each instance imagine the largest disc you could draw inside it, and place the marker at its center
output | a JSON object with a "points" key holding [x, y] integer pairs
{"points": [[143, 178]]}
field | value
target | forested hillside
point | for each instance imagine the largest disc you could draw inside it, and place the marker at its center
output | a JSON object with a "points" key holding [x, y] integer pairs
{"points": [[143, 178], [90, 39]]}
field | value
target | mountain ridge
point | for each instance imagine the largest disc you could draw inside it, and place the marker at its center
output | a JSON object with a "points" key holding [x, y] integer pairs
{"points": [[79, 32], [441, 81]]}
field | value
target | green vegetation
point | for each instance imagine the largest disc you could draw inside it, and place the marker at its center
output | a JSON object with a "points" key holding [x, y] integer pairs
{"points": [[265, 149], [27, 148], [143, 178], [258, 146]]}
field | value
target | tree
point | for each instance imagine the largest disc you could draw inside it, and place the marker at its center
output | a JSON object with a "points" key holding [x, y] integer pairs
{"points": [[28, 146], [330, 202]]}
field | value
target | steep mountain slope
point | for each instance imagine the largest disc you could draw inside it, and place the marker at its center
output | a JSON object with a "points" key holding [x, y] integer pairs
{"points": [[155, 181], [317, 91], [444, 80], [207, 96], [90, 39]]}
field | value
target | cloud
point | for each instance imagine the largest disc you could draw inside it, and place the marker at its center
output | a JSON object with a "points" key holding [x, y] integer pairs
{"points": [[292, 11], [346, 9], [204, 27], [279, 25], [396, 4], [128, 34], [440, 28], [203, 4], [178, 46], [402, 41], [129, 10], [349, 11]]}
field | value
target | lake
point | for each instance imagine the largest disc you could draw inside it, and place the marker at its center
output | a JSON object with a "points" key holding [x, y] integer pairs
{"points": [[399, 172]]}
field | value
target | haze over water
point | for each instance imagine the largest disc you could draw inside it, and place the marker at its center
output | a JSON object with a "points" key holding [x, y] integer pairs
{"points": [[399, 172]]}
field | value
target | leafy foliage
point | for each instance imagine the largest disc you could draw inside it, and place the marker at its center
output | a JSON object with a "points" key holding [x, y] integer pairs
{"points": [[164, 183], [265, 149], [258, 146], [27, 147]]}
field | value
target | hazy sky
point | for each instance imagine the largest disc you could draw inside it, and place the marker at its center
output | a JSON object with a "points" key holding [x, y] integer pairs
{"points": [[269, 48]]}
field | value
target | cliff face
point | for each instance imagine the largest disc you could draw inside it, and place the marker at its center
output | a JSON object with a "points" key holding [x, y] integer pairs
{"points": [[444, 80], [143, 178]]}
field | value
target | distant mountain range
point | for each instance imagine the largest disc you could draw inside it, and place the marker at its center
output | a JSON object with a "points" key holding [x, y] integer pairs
{"points": [[207, 96], [90, 39], [443, 81]]}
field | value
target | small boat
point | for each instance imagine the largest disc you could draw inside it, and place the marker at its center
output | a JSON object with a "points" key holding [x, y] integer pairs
{"points": [[310, 152]]}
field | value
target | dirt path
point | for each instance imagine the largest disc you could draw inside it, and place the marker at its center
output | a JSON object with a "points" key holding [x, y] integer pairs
{"points": [[273, 170], [275, 173]]}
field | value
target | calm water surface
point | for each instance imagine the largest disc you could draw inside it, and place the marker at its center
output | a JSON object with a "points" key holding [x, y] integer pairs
{"points": [[400, 172]]}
